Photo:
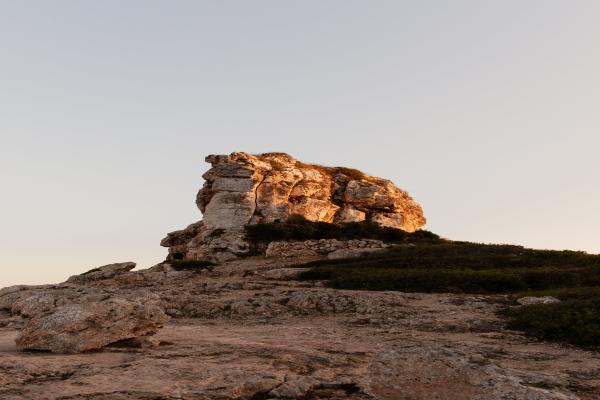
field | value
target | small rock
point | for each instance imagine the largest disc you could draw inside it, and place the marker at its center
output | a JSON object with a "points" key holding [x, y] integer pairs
{"points": [[529, 300]]}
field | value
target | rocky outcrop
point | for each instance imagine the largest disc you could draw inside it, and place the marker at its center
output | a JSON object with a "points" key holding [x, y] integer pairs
{"points": [[242, 189], [81, 327]]}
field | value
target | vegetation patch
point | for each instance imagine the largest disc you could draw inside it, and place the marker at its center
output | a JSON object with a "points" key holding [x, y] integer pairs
{"points": [[191, 265], [576, 320], [299, 228], [459, 267], [572, 321]]}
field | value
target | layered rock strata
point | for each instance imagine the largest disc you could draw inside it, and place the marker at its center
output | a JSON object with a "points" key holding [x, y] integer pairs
{"points": [[242, 189]]}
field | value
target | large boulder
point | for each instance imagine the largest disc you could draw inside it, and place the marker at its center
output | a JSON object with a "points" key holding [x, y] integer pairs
{"points": [[242, 189], [88, 326]]}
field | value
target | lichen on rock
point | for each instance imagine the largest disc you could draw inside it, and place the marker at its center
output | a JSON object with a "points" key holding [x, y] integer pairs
{"points": [[242, 189]]}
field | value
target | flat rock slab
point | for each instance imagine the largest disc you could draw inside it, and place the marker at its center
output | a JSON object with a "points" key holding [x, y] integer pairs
{"points": [[245, 331], [322, 357]]}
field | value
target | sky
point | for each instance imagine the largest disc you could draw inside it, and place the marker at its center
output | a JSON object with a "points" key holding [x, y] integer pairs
{"points": [[486, 112]]}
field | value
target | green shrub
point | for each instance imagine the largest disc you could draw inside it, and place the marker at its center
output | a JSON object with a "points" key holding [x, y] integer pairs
{"points": [[191, 265], [459, 267], [299, 228], [419, 280], [573, 321], [445, 254]]}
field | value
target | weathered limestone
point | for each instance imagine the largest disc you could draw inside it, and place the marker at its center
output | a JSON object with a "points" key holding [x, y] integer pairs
{"points": [[81, 327], [242, 189]]}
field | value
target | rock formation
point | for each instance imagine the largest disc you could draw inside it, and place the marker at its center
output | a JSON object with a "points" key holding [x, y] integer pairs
{"points": [[248, 329], [243, 189]]}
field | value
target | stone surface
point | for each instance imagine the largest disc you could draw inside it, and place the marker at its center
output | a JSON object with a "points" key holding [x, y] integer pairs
{"points": [[89, 326], [242, 189], [104, 272], [244, 330]]}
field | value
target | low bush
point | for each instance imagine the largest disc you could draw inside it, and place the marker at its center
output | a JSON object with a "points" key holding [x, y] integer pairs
{"points": [[299, 228], [420, 280], [191, 265], [459, 267], [572, 321]]}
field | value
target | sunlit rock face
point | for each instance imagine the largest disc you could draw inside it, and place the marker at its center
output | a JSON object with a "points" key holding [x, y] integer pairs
{"points": [[242, 189]]}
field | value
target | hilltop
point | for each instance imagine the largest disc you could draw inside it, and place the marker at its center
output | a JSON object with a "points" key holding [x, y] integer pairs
{"points": [[303, 286]]}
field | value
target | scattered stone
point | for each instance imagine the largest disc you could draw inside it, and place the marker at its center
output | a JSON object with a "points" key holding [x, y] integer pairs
{"points": [[529, 300], [350, 253]]}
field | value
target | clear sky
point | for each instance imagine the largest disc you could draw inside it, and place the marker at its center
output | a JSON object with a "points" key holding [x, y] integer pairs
{"points": [[487, 112]]}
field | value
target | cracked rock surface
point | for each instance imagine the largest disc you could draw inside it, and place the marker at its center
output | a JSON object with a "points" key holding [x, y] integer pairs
{"points": [[247, 330]]}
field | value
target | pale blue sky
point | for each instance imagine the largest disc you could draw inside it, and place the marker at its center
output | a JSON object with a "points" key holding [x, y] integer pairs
{"points": [[487, 112]]}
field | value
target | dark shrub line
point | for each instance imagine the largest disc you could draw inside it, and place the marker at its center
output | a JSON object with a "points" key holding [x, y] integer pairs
{"points": [[190, 265], [299, 228]]}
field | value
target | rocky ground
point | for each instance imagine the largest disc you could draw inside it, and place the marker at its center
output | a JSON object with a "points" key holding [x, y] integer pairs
{"points": [[245, 330]]}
